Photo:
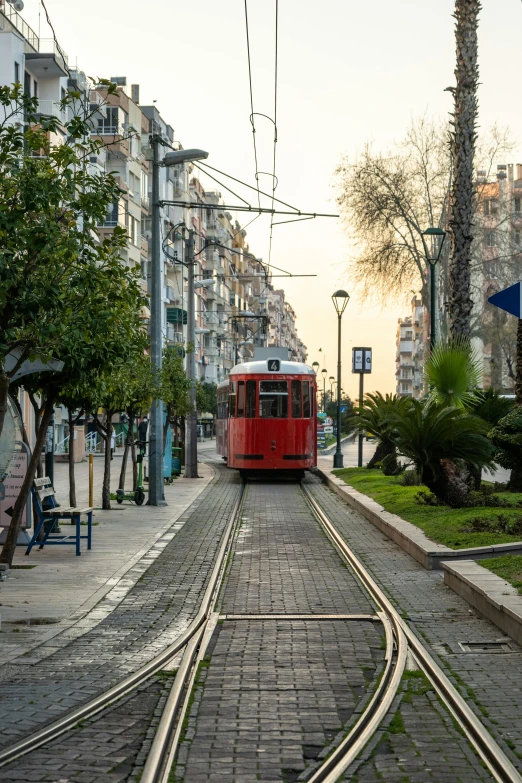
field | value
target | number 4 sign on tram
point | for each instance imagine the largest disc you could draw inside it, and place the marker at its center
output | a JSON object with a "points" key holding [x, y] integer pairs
{"points": [[274, 365]]}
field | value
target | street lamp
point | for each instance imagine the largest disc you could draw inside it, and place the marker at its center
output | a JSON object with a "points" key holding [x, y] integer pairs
{"points": [[340, 300], [332, 381], [324, 373], [175, 158], [433, 240], [315, 367]]}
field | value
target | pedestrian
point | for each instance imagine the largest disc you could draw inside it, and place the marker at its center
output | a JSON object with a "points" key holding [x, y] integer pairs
{"points": [[113, 443], [142, 434]]}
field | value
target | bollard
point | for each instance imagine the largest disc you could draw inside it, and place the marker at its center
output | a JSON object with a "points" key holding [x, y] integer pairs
{"points": [[91, 480]]}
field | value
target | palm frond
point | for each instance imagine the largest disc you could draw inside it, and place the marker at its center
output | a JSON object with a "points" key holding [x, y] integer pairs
{"points": [[452, 373]]}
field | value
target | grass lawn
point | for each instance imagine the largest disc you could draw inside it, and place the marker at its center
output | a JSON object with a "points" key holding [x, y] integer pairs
{"points": [[509, 567], [440, 523]]}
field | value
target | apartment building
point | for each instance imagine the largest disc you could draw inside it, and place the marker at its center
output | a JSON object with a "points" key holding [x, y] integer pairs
{"points": [[497, 264], [412, 348], [236, 305]]}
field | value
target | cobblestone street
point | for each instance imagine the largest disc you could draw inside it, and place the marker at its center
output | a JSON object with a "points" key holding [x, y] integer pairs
{"points": [[295, 656]]}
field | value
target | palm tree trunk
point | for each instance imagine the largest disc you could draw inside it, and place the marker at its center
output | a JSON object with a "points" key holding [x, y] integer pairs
{"points": [[518, 371], [463, 140]]}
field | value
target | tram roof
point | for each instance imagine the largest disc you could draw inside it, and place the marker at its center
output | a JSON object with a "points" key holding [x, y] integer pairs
{"points": [[261, 368]]}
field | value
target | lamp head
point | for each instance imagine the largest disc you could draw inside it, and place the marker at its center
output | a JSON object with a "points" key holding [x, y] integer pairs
{"points": [[433, 239], [340, 300], [331, 379], [324, 372], [315, 367], [183, 156]]}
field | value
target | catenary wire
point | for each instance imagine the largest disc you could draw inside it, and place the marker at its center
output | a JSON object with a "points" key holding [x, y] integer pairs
{"points": [[274, 179], [252, 102]]}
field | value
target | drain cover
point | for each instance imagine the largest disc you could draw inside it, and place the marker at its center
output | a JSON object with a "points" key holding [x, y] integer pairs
{"points": [[486, 647]]}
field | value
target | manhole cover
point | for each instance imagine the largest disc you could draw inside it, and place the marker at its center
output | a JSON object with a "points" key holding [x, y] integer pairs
{"points": [[37, 621], [485, 647]]}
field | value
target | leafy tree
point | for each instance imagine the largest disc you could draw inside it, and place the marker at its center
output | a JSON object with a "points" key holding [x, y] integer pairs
{"points": [[175, 388], [463, 142], [378, 418], [141, 389], [50, 205], [507, 437], [489, 405], [441, 442]]}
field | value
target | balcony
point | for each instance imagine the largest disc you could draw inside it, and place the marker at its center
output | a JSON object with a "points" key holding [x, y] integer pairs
{"points": [[406, 346], [211, 351], [49, 60], [170, 293], [108, 130], [52, 109]]}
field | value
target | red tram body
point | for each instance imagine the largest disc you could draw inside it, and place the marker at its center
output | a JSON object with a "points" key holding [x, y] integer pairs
{"points": [[266, 417]]}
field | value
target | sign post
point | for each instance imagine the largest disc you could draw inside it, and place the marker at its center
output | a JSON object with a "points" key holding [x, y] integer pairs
{"points": [[510, 300], [361, 366]]}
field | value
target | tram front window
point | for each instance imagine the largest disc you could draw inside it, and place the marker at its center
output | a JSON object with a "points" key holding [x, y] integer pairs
{"points": [[273, 399]]}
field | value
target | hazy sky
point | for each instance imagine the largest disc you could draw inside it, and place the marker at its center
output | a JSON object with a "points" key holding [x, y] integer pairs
{"points": [[349, 72]]}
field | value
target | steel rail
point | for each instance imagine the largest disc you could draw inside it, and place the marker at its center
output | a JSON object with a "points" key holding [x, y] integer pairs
{"points": [[164, 745], [130, 683], [494, 757]]}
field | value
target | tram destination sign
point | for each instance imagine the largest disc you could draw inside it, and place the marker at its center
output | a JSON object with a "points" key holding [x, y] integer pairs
{"points": [[361, 360], [274, 365]]}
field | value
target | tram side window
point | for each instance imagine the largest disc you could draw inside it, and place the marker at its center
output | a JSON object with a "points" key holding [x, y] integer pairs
{"points": [[251, 399], [307, 407], [297, 406], [240, 399], [232, 399], [273, 399]]}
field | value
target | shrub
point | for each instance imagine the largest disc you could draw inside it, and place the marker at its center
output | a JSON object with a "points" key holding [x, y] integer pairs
{"points": [[507, 437]]}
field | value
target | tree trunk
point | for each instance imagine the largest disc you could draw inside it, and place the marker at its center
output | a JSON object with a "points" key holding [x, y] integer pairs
{"points": [[72, 478], [384, 449], [4, 391], [106, 488], [463, 140], [128, 446], [37, 419], [18, 407], [8, 550], [518, 372], [452, 486]]}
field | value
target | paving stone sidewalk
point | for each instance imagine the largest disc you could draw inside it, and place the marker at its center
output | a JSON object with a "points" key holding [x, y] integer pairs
{"points": [[41, 686], [491, 682], [55, 586]]}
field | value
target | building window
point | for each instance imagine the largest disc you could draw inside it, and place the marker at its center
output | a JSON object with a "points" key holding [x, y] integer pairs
{"points": [[132, 228], [144, 185], [517, 204], [404, 387], [491, 206], [16, 73], [490, 239], [516, 237], [27, 83], [35, 88]]}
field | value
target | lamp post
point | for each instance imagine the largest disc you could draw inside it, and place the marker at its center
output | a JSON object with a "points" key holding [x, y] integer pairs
{"points": [[315, 368], [332, 381], [340, 300], [324, 373], [156, 496], [433, 240]]}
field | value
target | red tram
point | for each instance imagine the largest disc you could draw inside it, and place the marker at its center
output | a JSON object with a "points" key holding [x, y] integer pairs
{"points": [[266, 418]]}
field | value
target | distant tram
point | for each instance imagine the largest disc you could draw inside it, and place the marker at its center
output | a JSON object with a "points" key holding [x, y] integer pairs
{"points": [[266, 418]]}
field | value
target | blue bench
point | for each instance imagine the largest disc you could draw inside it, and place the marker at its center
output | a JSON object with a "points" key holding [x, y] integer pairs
{"points": [[42, 488]]}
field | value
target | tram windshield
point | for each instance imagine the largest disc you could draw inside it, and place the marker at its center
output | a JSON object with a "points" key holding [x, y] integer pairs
{"points": [[273, 399]]}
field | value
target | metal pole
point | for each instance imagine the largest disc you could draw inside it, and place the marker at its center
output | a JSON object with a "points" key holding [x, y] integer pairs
{"points": [[191, 422], [156, 497], [49, 452], [324, 394], [91, 480], [433, 297], [361, 436], [338, 461]]}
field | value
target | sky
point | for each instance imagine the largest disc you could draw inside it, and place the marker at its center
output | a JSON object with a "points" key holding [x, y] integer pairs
{"points": [[349, 73]]}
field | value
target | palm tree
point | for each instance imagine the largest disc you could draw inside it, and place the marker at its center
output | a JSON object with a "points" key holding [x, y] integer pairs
{"points": [[452, 373], [378, 417], [463, 138], [441, 442]]}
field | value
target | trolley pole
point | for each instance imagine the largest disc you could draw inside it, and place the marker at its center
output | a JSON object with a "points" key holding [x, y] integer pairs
{"points": [[191, 431], [156, 496]]}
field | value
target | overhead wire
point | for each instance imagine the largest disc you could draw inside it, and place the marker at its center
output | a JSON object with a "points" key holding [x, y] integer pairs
{"points": [[252, 103], [274, 179]]}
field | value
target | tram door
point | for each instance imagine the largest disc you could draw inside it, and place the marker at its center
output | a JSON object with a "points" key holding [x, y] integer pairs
{"points": [[273, 415]]}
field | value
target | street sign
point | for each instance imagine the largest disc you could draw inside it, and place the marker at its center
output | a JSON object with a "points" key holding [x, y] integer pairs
{"points": [[10, 489], [361, 360], [321, 415], [328, 429], [328, 421], [344, 408], [510, 300]]}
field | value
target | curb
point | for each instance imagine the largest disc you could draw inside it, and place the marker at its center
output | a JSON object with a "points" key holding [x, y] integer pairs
{"points": [[407, 536], [488, 593]]}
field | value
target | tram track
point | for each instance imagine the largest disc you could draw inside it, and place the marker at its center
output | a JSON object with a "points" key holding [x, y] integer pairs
{"points": [[401, 642], [129, 684]]}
